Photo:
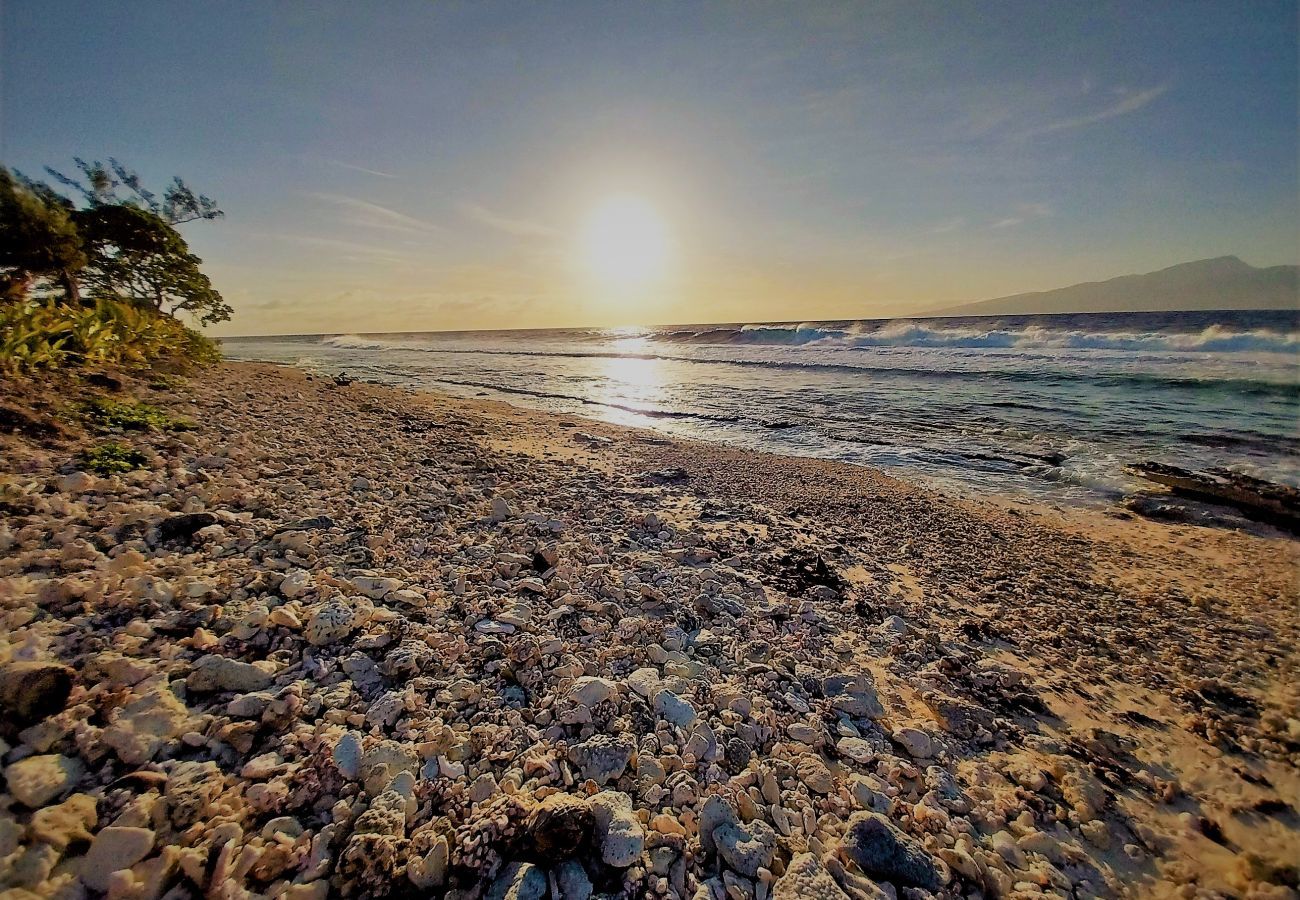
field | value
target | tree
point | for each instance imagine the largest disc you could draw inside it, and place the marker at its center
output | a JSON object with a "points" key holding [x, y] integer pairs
{"points": [[179, 203], [37, 239], [136, 254]]}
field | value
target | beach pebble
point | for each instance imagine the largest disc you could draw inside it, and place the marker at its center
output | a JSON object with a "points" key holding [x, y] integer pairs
{"points": [[37, 780], [881, 850], [31, 691], [807, 879], [674, 709], [114, 848], [560, 825], [617, 832], [220, 673], [746, 848]]}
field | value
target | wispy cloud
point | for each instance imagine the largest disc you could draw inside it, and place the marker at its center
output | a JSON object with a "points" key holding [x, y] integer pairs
{"points": [[947, 225], [372, 215], [1127, 103], [354, 168], [1023, 213], [505, 223], [348, 247]]}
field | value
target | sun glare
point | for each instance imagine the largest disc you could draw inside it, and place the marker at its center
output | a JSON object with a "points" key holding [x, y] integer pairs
{"points": [[624, 242]]}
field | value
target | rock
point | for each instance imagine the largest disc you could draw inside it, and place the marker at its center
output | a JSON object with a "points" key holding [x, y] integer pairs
{"points": [[374, 587], [191, 789], [32, 691], [674, 709], [483, 787], [588, 691], [335, 619], [430, 871], [882, 851], [746, 848], [856, 749], [602, 758], [37, 780], [571, 878], [853, 695], [716, 812], [114, 848], [65, 823], [501, 510], [617, 832], [645, 682], [184, 526], [296, 583], [807, 879], [560, 825], [867, 792], [915, 741], [814, 773], [738, 754], [221, 673], [285, 825], [347, 754], [519, 881]]}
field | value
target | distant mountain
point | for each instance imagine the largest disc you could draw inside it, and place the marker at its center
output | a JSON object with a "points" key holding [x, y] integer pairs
{"points": [[1221, 283]]}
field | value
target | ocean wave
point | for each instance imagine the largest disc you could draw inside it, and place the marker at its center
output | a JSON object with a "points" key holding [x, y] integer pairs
{"points": [[921, 333], [1249, 386]]}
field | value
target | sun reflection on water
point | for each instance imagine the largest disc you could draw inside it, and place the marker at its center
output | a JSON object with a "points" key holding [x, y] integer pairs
{"points": [[631, 380]]}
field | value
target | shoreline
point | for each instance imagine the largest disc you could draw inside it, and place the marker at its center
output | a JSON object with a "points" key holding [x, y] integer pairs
{"points": [[1130, 687]]}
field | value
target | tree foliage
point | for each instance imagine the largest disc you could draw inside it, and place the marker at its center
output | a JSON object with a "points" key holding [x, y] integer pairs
{"points": [[136, 255], [37, 238], [179, 203], [119, 234]]}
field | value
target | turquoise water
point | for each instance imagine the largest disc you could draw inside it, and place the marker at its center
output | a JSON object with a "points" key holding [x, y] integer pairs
{"points": [[1045, 405]]}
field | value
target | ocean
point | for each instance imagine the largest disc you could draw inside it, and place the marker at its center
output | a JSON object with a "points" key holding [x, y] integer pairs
{"points": [[1048, 406]]}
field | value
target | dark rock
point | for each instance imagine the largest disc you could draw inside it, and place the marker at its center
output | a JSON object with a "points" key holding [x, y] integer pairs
{"points": [[882, 851], [183, 526], [559, 826], [32, 691], [738, 754]]}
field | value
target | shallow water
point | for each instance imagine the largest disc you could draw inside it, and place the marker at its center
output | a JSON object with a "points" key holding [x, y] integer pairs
{"points": [[1047, 405]]}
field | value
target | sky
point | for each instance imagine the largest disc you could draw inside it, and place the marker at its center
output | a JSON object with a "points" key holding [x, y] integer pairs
{"points": [[405, 166]]}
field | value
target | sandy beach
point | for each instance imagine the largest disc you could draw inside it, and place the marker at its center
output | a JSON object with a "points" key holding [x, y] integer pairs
{"points": [[351, 640]]}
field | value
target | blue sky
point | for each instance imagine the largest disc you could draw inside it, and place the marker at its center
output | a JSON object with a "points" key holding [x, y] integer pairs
{"points": [[429, 165]]}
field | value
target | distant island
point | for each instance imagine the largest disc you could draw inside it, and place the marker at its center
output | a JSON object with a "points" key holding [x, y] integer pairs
{"points": [[1224, 282]]}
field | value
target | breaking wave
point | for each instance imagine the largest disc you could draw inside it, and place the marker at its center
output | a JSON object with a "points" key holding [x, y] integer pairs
{"points": [[860, 365], [917, 333]]}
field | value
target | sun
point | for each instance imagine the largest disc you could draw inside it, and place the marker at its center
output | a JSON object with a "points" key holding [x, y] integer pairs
{"points": [[624, 242]]}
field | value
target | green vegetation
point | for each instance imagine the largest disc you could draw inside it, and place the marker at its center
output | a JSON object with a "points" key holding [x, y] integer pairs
{"points": [[105, 282], [112, 459], [104, 412], [42, 335]]}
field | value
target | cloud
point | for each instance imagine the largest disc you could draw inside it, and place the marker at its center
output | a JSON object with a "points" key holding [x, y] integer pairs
{"points": [[1024, 212], [1128, 103], [349, 247], [353, 168], [507, 224], [947, 225], [372, 215]]}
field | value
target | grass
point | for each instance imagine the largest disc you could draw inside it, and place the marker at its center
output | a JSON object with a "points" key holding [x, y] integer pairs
{"points": [[106, 413], [112, 459]]}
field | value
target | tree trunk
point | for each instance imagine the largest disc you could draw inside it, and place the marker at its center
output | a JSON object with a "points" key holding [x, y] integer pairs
{"points": [[71, 289]]}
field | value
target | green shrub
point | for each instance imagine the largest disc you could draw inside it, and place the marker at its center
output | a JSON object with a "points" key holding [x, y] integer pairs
{"points": [[107, 413], [112, 459], [37, 335]]}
